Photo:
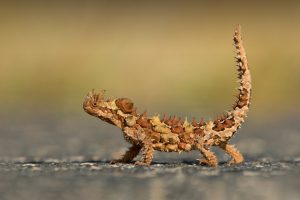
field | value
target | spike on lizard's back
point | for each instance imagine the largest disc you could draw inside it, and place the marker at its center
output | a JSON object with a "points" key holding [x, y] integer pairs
{"points": [[170, 134]]}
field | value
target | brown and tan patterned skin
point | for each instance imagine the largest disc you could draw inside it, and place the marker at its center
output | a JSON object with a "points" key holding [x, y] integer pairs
{"points": [[147, 134]]}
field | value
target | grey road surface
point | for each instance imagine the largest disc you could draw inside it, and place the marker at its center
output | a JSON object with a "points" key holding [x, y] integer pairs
{"points": [[56, 157]]}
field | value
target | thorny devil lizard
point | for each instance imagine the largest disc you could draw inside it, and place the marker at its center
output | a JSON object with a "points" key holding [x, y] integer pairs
{"points": [[147, 134]]}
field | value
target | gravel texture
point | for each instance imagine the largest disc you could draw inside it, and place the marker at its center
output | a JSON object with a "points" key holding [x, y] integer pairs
{"points": [[60, 179], [68, 158]]}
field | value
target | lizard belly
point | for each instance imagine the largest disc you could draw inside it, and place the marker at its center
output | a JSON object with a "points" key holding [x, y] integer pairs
{"points": [[168, 147], [172, 142]]}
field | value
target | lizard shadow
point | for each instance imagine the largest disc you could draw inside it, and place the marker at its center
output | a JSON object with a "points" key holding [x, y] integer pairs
{"points": [[166, 163]]}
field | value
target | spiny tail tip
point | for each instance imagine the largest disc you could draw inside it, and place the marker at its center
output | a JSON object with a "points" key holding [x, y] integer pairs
{"points": [[238, 28], [237, 31]]}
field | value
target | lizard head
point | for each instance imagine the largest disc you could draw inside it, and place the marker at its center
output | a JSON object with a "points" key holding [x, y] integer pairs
{"points": [[119, 112]]}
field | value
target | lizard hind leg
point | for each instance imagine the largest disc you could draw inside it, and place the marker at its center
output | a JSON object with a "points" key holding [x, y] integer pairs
{"points": [[209, 157], [237, 157]]}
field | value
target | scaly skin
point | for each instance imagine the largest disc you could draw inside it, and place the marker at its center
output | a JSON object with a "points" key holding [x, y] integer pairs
{"points": [[147, 134]]}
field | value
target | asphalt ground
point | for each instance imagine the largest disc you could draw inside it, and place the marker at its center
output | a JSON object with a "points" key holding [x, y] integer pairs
{"points": [[68, 158]]}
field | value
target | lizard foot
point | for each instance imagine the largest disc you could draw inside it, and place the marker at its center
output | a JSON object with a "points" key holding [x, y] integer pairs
{"points": [[235, 162], [139, 163], [114, 162], [203, 162]]}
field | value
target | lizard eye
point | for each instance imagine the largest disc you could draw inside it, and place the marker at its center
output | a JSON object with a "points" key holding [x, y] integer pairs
{"points": [[125, 105]]}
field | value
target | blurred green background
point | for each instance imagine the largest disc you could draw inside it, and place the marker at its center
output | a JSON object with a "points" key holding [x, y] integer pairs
{"points": [[167, 56]]}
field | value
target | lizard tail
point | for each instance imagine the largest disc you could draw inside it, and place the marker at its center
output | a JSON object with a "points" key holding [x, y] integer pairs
{"points": [[241, 106]]}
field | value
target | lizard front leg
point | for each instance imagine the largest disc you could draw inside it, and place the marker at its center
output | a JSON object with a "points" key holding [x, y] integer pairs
{"points": [[147, 154], [129, 155]]}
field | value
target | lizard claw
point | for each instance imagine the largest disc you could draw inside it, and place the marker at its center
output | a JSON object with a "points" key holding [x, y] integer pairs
{"points": [[203, 162], [139, 163], [234, 162], [115, 161]]}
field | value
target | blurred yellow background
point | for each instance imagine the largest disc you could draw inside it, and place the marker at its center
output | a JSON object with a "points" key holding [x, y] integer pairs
{"points": [[169, 56]]}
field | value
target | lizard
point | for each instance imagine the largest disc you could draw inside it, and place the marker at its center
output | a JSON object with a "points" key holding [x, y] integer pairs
{"points": [[171, 134]]}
